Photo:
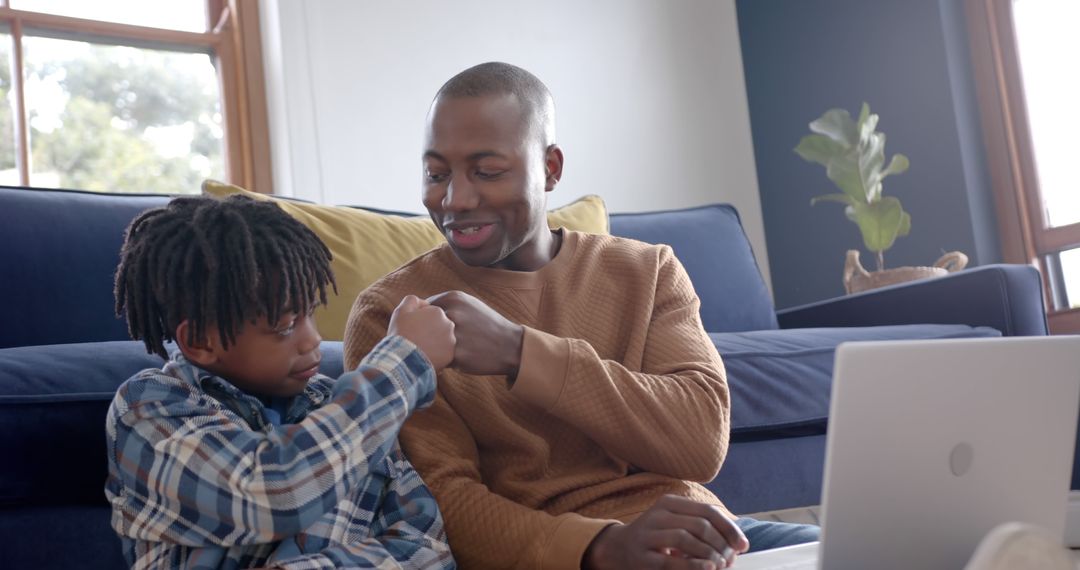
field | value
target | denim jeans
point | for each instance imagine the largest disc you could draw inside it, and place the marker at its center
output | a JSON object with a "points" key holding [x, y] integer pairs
{"points": [[764, 535]]}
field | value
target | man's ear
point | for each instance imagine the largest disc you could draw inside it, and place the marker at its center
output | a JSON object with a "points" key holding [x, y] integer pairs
{"points": [[553, 164], [201, 351]]}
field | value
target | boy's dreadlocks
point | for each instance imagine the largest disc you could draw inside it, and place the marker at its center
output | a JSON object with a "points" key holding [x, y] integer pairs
{"points": [[211, 261]]}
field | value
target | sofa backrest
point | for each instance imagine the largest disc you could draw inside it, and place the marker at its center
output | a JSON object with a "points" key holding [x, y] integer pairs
{"points": [[712, 246], [58, 252]]}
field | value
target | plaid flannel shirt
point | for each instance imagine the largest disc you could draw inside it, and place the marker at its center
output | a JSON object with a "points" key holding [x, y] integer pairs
{"points": [[200, 478]]}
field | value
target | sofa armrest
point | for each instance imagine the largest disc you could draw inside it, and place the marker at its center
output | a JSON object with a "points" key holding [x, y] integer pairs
{"points": [[1008, 298]]}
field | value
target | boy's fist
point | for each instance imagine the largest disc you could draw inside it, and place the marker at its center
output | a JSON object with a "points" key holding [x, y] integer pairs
{"points": [[426, 326]]}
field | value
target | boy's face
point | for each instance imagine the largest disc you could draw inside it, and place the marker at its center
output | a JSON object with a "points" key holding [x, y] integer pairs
{"points": [[267, 359]]}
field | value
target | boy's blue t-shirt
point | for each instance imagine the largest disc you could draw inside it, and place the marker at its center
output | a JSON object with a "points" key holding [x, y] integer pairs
{"points": [[277, 409]]}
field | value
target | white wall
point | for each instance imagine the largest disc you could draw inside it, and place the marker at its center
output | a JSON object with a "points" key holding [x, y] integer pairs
{"points": [[651, 102]]}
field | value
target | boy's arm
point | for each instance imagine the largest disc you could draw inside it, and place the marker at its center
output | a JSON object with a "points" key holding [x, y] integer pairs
{"points": [[407, 533], [195, 476]]}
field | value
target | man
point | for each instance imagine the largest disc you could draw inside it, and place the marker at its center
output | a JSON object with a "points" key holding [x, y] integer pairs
{"points": [[584, 398]]}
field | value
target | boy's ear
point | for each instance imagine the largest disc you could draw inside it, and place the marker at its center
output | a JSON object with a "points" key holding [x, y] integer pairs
{"points": [[201, 351]]}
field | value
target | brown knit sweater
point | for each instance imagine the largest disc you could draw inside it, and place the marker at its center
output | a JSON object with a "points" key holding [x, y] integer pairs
{"points": [[620, 398]]}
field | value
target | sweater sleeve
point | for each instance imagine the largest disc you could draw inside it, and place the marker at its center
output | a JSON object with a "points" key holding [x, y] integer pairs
{"points": [[484, 528], [488, 530], [671, 418]]}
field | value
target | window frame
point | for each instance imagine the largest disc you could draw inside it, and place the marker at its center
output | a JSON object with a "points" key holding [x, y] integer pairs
{"points": [[232, 40], [1025, 236]]}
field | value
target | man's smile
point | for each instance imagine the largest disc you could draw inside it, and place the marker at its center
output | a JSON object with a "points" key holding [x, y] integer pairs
{"points": [[469, 235]]}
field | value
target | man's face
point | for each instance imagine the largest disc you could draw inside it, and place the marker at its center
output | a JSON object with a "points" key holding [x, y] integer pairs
{"points": [[484, 181], [269, 359]]}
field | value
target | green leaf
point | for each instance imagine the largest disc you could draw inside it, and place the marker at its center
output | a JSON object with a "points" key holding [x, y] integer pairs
{"points": [[898, 164], [844, 172], [838, 126], [818, 148], [871, 159], [905, 225], [881, 222], [842, 198], [867, 123]]}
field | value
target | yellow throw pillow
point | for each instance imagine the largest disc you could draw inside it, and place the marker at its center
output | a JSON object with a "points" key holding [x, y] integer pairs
{"points": [[367, 246]]}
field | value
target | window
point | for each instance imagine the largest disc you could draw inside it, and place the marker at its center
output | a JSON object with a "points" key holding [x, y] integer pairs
{"points": [[132, 96], [1026, 60]]}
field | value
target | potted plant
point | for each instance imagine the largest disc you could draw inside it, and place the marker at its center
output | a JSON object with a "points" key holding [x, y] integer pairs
{"points": [[853, 154]]}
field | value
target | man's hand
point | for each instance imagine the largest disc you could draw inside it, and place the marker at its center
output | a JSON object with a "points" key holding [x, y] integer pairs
{"points": [[487, 343], [427, 327], [674, 533]]}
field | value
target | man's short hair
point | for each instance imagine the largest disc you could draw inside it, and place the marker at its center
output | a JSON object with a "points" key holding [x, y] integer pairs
{"points": [[498, 78]]}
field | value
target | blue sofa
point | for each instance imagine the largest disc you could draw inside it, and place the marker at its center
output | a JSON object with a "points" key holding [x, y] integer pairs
{"points": [[63, 353]]}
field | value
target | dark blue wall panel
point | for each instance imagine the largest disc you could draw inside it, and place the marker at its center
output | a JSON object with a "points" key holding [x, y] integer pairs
{"points": [[909, 60]]}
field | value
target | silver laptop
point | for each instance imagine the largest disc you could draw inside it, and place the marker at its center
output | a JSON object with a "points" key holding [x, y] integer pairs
{"points": [[932, 444]]}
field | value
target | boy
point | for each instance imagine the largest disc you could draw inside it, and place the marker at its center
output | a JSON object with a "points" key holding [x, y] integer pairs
{"points": [[238, 453]]}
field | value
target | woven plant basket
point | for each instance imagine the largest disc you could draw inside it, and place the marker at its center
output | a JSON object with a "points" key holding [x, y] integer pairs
{"points": [[857, 279]]}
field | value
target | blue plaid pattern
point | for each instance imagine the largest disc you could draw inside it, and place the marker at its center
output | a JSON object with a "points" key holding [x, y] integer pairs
{"points": [[200, 478]]}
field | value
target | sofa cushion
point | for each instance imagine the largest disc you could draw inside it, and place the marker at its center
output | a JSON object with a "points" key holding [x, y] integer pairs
{"points": [[367, 245], [711, 244], [767, 474], [71, 536], [53, 401], [781, 380]]}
